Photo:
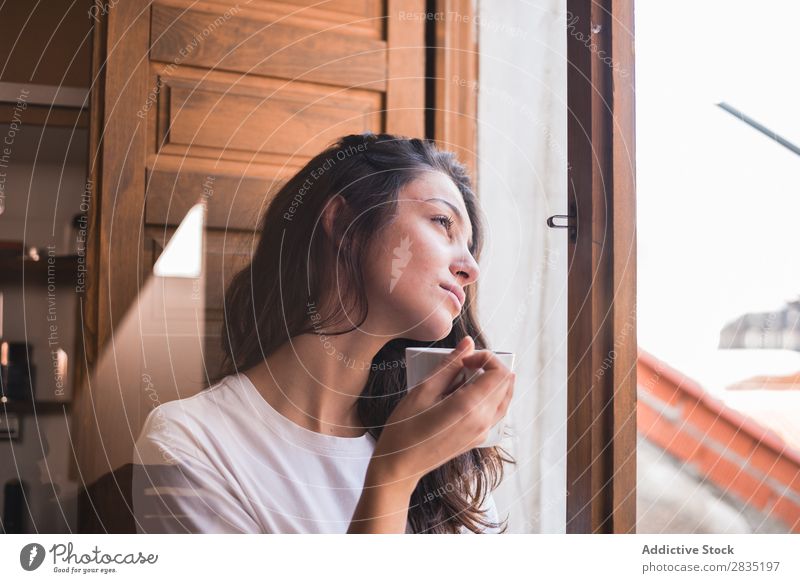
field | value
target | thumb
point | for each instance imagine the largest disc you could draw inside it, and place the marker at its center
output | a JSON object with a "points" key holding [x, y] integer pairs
{"points": [[442, 377]]}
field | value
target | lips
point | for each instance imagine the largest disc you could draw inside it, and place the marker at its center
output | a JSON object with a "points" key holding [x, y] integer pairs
{"points": [[456, 290]]}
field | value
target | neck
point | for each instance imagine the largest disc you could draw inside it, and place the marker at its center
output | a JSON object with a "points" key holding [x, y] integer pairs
{"points": [[315, 381]]}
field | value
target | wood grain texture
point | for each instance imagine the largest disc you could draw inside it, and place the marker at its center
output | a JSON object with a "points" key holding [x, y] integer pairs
{"points": [[246, 42], [405, 99], [456, 77], [264, 118], [601, 424], [233, 203]]}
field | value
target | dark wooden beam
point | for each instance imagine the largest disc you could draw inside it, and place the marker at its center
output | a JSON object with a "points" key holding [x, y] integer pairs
{"points": [[601, 424]]}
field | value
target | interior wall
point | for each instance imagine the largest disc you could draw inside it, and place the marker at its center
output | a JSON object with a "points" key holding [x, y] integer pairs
{"points": [[45, 45], [522, 179], [44, 185]]}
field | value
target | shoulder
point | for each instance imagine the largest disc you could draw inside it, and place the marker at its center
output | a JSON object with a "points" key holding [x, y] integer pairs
{"points": [[178, 428]]}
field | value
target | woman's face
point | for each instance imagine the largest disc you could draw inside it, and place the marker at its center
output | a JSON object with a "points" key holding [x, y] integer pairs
{"points": [[419, 266]]}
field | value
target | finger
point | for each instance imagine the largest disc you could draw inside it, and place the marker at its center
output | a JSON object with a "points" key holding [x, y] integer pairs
{"points": [[502, 393], [464, 377], [502, 409], [498, 402], [489, 388], [485, 359], [464, 347], [442, 377]]}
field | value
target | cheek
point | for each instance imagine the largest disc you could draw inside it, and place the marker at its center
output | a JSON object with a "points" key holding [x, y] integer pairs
{"points": [[415, 286], [403, 264], [409, 258], [420, 271]]}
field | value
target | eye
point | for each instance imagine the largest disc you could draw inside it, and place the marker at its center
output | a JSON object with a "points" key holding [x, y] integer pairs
{"points": [[444, 220]]}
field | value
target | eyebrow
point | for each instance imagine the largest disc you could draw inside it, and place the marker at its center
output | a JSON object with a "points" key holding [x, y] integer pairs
{"points": [[455, 211]]}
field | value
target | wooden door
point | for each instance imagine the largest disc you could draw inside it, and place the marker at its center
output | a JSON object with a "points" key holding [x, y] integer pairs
{"points": [[215, 103]]}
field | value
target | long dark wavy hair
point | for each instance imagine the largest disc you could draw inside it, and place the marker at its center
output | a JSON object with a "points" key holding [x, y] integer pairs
{"points": [[295, 263]]}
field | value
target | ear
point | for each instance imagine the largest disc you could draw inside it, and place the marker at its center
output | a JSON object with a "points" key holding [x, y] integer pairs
{"points": [[332, 217]]}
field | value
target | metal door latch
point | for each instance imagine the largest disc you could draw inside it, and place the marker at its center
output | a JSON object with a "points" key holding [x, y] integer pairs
{"points": [[571, 222]]}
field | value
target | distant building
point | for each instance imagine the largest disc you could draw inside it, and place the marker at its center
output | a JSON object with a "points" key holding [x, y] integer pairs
{"points": [[780, 329]]}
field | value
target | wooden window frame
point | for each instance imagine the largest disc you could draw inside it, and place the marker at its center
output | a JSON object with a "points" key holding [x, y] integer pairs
{"points": [[602, 347], [601, 313]]}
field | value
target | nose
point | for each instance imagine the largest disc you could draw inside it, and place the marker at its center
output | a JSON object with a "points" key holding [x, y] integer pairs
{"points": [[466, 270]]}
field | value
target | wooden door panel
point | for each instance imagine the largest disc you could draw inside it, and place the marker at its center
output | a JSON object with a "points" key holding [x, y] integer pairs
{"points": [[278, 120], [365, 17], [370, 10], [232, 201], [252, 42]]}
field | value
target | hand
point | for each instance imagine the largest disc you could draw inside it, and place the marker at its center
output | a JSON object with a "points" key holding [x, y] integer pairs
{"points": [[435, 422]]}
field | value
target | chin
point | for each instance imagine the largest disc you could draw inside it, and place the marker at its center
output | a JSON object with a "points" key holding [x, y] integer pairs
{"points": [[434, 328]]}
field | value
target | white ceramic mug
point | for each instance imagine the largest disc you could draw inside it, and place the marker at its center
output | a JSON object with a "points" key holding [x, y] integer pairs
{"points": [[421, 362]]}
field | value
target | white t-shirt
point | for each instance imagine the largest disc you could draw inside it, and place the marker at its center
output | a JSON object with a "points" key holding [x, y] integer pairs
{"points": [[224, 460]]}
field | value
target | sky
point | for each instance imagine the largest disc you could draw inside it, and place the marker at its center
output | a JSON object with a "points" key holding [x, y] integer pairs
{"points": [[718, 203]]}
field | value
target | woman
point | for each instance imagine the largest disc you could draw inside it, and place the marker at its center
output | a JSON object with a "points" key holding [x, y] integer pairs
{"points": [[371, 248]]}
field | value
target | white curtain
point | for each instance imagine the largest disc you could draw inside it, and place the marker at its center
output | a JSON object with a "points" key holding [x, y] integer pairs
{"points": [[522, 179]]}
